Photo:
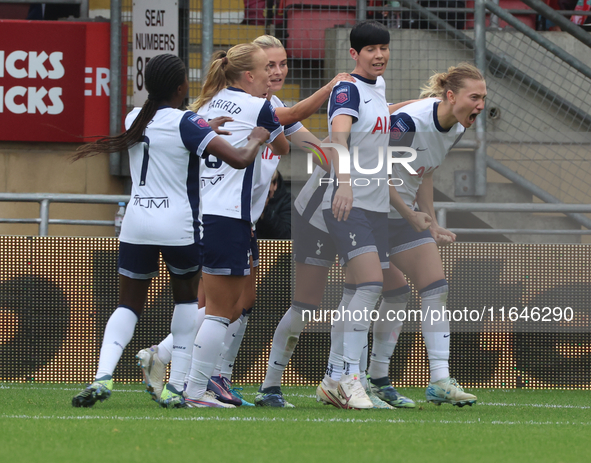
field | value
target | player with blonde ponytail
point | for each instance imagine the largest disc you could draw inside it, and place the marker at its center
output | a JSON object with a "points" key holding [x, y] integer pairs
{"points": [[432, 126]]}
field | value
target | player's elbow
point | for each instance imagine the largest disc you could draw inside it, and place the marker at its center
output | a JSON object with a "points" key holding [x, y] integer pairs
{"points": [[280, 146], [240, 161]]}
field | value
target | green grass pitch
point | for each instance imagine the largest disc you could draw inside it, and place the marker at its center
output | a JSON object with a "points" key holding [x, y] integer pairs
{"points": [[39, 424]]}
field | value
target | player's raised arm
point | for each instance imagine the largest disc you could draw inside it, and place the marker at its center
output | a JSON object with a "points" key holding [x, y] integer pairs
{"points": [[395, 107], [305, 108]]}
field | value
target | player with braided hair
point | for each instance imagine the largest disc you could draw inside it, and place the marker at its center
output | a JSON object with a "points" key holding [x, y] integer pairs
{"points": [[165, 146]]}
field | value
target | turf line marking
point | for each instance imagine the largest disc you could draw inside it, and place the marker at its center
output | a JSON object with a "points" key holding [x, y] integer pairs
{"points": [[313, 396], [495, 404], [289, 420]]}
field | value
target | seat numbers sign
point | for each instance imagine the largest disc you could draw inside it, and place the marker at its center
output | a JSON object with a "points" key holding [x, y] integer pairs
{"points": [[155, 31]]}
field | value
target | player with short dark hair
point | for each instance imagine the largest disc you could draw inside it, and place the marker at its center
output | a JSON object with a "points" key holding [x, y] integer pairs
{"points": [[358, 121]]}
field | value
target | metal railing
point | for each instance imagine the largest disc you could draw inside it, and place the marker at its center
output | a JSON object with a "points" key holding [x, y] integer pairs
{"points": [[441, 208], [45, 199]]}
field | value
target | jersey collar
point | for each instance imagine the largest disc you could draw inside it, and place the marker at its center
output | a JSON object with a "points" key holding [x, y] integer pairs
{"points": [[436, 121], [363, 79], [234, 89]]}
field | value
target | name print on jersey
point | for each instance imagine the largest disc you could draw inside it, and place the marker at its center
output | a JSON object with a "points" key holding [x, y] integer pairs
{"points": [[225, 105]]}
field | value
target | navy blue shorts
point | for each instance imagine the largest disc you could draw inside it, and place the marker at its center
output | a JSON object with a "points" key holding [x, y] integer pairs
{"points": [[140, 261], [226, 244], [402, 237], [362, 232], [311, 245], [254, 249]]}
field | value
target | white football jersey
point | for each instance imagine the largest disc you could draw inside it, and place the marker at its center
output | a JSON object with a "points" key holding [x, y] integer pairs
{"points": [[365, 101], [164, 205], [269, 163], [309, 201], [226, 191], [416, 125]]}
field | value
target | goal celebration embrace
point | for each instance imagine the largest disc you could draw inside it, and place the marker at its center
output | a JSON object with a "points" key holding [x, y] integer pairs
{"points": [[210, 160]]}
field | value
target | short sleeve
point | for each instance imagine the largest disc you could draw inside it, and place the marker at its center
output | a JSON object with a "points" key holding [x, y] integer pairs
{"points": [[292, 128], [196, 133], [269, 120], [344, 99], [402, 129]]}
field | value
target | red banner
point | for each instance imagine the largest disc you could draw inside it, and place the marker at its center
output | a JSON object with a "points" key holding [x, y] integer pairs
{"points": [[54, 80]]}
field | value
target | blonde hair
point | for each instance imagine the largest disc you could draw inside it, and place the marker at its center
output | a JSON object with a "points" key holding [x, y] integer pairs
{"points": [[225, 69], [267, 41], [453, 80]]}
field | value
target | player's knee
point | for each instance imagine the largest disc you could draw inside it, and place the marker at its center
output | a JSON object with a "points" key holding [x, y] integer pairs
{"points": [[398, 295], [437, 290]]}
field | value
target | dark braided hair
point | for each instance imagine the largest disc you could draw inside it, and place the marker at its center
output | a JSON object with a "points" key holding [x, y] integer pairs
{"points": [[164, 74]]}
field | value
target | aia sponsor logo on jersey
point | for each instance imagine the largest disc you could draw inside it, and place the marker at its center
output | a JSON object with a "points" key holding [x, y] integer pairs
{"points": [[382, 125]]}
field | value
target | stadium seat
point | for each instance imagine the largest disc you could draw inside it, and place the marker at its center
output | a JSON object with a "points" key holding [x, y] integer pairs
{"points": [[308, 19]]}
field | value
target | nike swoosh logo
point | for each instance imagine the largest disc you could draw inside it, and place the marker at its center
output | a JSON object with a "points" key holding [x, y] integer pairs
{"points": [[367, 100], [343, 399], [421, 149], [355, 329], [279, 364], [446, 335]]}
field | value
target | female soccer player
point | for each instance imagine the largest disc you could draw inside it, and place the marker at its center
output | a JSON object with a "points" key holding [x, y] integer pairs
{"points": [[314, 253], [153, 360], [234, 81], [359, 122], [289, 117], [432, 127], [165, 145]]}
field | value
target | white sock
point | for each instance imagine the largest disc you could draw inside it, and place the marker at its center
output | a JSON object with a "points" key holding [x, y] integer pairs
{"points": [[285, 339], [200, 318], [118, 333], [228, 340], [165, 349], [355, 336], [165, 346], [183, 329], [232, 351], [436, 334], [207, 348], [386, 332], [335, 359]]}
